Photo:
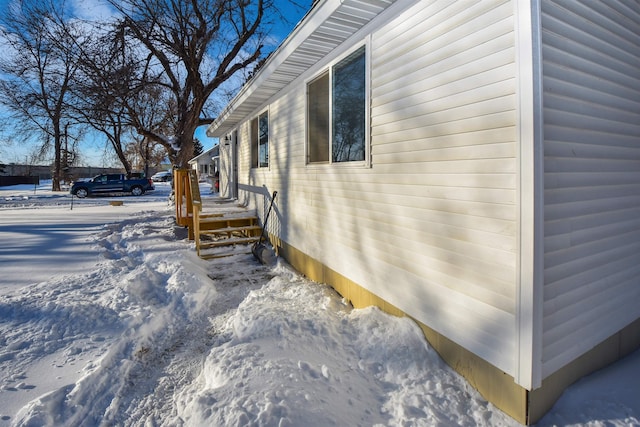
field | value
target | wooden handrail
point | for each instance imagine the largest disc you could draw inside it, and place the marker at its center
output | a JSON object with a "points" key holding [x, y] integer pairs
{"points": [[194, 203], [187, 198], [194, 186], [181, 196]]}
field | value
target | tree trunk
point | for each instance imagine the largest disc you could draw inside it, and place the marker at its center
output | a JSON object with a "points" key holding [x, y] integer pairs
{"points": [[57, 163], [186, 142], [125, 162], [185, 154]]}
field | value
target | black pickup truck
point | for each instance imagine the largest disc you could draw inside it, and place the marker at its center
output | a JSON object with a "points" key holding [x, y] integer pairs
{"points": [[111, 183]]}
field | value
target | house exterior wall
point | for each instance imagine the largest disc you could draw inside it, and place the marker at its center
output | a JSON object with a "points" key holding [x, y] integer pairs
{"points": [[202, 167], [226, 167], [499, 200], [430, 223], [591, 98]]}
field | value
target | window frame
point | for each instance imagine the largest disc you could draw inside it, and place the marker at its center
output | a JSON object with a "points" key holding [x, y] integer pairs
{"points": [[254, 140], [329, 69]]}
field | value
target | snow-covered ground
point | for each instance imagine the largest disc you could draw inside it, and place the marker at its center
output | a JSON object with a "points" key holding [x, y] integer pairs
{"points": [[108, 317]]}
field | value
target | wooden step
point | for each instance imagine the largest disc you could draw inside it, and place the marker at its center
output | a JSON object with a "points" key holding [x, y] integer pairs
{"points": [[228, 230], [211, 215], [212, 255], [218, 223], [213, 218], [229, 242], [247, 230]]}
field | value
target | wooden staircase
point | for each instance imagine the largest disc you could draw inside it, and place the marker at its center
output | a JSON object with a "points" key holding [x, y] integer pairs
{"points": [[216, 230], [212, 231]]}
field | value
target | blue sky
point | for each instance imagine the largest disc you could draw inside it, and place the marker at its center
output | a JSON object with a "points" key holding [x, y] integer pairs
{"points": [[92, 152]]}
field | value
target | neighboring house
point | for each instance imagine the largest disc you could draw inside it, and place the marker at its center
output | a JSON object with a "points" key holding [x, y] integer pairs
{"points": [[206, 164], [474, 165]]}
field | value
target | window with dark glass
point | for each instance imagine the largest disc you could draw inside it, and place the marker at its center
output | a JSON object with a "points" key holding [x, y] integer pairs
{"points": [[318, 113], [336, 111], [260, 141], [263, 140], [349, 109]]}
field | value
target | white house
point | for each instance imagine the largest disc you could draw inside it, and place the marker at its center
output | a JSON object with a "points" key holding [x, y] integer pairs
{"points": [[472, 164], [206, 164]]}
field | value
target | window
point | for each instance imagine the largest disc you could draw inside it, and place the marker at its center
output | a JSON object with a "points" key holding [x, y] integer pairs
{"points": [[336, 111], [260, 141], [318, 113]]}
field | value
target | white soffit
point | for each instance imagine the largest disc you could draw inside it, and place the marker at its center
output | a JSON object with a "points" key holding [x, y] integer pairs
{"points": [[328, 24]]}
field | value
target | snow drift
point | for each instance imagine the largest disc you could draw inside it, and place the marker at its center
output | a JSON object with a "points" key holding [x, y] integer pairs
{"points": [[140, 331]]}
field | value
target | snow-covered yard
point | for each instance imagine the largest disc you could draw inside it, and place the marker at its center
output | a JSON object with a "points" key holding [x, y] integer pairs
{"points": [[108, 317]]}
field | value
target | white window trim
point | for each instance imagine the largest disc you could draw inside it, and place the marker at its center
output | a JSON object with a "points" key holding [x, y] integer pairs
{"points": [[257, 166], [360, 164]]}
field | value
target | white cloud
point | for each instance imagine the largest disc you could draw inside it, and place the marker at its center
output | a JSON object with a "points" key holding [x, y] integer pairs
{"points": [[93, 10]]}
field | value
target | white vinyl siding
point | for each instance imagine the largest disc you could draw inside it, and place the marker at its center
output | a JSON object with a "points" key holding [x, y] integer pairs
{"points": [[443, 127], [431, 224], [591, 63], [226, 164]]}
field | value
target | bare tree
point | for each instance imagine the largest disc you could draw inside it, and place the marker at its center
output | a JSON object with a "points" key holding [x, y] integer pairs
{"points": [[197, 45], [118, 93], [38, 68], [102, 89], [146, 154]]}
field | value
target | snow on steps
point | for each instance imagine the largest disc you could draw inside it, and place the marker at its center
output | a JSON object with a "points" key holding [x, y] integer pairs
{"points": [[213, 223], [217, 230]]}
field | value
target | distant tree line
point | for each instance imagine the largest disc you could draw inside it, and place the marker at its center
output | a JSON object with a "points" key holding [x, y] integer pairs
{"points": [[145, 77]]}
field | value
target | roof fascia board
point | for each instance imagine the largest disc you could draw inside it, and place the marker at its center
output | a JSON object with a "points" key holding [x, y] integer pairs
{"points": [[203, 154]]}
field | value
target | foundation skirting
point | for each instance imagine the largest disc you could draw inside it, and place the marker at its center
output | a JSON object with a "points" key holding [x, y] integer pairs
{"points": [[526, 407]]}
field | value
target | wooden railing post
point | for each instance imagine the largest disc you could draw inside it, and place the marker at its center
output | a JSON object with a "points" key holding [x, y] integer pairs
{"points": [[183, 200], [194, 206], [197, 208]]}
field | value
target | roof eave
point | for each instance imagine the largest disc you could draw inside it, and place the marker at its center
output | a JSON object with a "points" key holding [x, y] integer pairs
{"points": [[328, 24]]}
